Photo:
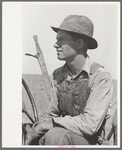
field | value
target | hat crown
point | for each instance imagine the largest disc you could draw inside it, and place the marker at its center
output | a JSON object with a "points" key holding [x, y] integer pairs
{"points": [[78, 24]]}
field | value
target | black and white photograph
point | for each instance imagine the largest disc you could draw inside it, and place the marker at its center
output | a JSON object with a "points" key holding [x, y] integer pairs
{"points": [[61, 74]]}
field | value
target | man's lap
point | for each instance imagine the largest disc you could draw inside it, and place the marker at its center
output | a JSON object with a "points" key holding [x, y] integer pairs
{"points": [[61, 136]]}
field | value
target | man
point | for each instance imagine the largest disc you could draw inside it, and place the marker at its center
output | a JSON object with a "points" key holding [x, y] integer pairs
{"points": [[81, 93]]}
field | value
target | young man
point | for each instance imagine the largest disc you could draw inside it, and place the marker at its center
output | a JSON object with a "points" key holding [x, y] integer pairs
{"points": [[81, 93]]}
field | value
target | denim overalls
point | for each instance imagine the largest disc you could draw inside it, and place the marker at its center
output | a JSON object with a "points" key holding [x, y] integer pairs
{"points": [[73, 95]]}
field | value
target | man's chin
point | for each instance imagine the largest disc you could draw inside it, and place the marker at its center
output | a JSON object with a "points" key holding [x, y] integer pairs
{"points": [[60, 58]]}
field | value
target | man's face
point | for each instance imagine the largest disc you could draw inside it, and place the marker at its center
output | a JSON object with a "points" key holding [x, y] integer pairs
{"points": [[66, 48]]}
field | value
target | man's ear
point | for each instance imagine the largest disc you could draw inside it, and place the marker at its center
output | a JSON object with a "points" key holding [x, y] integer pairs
{"points": [[80, 43]]}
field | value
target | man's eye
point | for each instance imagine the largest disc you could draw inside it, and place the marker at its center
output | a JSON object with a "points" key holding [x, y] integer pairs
{"points": [[61, 39]]}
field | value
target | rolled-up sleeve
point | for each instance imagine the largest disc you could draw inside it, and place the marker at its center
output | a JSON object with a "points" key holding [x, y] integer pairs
{"points": [[95, 110]]}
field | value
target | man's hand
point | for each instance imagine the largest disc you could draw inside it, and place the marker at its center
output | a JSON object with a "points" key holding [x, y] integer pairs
{"points": [[43, 126], [37, 131], [32, 138]]}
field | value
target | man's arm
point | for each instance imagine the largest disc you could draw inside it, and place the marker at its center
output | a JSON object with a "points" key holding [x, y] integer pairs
{"points": [[96, 108]]}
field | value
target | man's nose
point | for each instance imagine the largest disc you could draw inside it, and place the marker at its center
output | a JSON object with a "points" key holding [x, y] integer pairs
{"points": [[56, 45]]}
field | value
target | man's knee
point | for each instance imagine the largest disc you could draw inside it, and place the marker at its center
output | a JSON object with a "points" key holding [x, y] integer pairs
{"points": [[61, 136], [53, 137], [75, 139]]}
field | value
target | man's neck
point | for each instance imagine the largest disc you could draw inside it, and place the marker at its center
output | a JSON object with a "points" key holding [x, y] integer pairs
{"points": [[77, 64]]}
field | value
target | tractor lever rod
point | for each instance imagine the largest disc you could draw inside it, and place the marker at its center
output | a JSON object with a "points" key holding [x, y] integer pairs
{"points": [[42, 64]]}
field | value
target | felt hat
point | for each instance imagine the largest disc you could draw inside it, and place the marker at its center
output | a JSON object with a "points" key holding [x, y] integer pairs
{"points": [[81, 26]]}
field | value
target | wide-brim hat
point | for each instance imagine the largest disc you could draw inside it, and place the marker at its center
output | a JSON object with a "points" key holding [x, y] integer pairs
{"points": [[81, 26]]}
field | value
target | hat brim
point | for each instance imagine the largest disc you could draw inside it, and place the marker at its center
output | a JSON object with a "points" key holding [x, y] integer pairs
{"points": [[91, 41]]}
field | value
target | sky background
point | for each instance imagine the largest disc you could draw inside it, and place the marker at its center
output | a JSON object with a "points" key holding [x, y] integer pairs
{"points": [[38, 17], [20, 21]]}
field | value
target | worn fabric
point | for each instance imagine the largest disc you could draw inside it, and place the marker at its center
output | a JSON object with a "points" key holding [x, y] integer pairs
{"points": [[62, 136], [86, 122], [97, 106]]}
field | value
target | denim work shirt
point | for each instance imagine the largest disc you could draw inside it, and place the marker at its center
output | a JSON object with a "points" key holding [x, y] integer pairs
{"points": [[97, 107]]}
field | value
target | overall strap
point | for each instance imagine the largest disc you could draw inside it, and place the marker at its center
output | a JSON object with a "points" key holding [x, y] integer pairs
{"points": [[94, 67]]}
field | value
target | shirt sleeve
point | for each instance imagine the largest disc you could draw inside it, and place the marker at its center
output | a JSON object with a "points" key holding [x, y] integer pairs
{"points": [[95, 110]]}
